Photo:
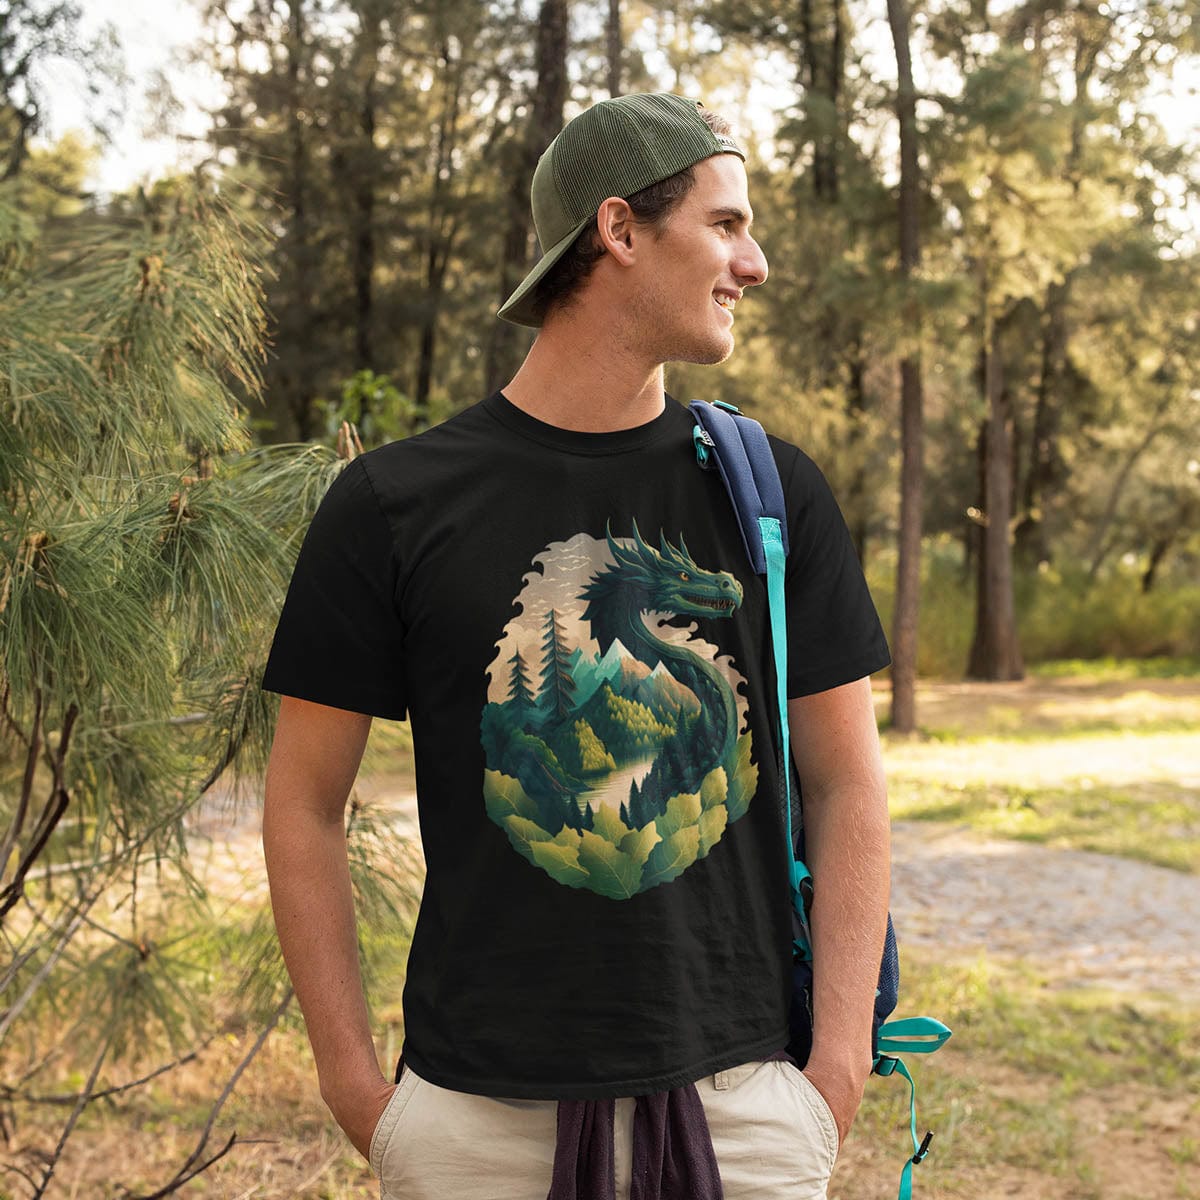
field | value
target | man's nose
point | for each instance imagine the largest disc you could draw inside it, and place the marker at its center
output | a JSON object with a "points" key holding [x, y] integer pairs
{"points": [[752, 266]]}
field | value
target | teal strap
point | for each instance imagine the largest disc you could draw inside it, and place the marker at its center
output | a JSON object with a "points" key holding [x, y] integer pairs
{"points": [[912, 1035], [920, 1149], [772, 539]]}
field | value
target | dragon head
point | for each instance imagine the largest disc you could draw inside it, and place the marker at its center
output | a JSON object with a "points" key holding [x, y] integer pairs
{"points": [[664, 580]]}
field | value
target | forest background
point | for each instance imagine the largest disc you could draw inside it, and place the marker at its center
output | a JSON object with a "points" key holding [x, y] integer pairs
{"points": [[981, 321]]}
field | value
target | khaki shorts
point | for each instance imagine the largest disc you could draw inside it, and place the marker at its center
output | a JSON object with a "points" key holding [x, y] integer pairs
{"points": [[772, 1132]]}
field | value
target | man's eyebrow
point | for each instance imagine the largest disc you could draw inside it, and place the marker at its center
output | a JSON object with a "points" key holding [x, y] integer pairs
{"points": [[735, 213]]}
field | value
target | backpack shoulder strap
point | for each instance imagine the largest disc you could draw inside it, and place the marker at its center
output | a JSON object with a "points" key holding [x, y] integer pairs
{"points": [[737, 446]]}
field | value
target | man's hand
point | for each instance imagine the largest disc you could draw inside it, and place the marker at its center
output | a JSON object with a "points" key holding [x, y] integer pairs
{"points": [[358, 1112], [836, 747], [843, 1092]]}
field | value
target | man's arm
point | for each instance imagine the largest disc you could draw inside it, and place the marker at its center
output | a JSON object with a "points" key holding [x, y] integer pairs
{"points": [[314, 759], [835, 744]]}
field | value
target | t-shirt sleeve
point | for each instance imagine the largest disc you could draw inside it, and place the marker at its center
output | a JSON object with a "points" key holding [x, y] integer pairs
{"points": [[339, 640], [834, 632]]}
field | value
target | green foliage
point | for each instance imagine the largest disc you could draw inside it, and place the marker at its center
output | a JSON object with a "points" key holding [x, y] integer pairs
{"points": [[629, 728], [593, 756], [146, 547], [1061, 614], [378, 410]]}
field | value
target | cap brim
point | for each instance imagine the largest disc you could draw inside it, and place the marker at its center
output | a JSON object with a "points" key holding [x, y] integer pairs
{"points": [[518, 308]]}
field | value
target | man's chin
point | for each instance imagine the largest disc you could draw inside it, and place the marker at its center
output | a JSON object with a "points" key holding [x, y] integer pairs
{"points": [[705, 354]]}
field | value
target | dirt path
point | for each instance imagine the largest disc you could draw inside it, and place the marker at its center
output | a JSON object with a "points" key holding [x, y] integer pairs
{"points": [[1082, 918]]}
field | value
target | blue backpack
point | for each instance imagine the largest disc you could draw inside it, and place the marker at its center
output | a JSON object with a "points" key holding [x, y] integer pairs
{"points": [[736, 445]]}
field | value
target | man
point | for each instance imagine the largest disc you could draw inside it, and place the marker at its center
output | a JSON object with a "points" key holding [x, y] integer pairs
{"points": [[598, 989]]}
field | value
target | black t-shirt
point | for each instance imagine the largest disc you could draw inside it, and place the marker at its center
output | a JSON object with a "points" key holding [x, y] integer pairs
{"points": [[570, 622]]}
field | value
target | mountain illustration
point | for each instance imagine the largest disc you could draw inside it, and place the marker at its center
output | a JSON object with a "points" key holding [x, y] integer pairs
{"points": [[616, 666], [664, 695]]}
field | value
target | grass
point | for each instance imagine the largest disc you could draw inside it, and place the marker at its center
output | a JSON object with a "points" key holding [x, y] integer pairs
{"points": [[1156, 822], [1044, 1092], [1039, 1093], [1118, 670]]}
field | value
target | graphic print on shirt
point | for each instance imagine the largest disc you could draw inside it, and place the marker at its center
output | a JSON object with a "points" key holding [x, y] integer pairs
{"points": [[617, 741]]}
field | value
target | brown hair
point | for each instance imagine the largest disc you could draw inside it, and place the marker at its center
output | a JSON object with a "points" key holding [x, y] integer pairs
{"points": [[651, 207]]}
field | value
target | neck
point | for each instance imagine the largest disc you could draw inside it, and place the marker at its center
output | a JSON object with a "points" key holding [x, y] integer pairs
{"points": [[573, 378]]}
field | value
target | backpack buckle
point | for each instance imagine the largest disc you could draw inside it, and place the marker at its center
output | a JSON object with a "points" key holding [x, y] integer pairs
{"points": [[885, 1064], [704, 444]]}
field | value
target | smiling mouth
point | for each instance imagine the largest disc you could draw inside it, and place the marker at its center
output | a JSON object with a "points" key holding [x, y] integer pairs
{"points": [[728, 311]]}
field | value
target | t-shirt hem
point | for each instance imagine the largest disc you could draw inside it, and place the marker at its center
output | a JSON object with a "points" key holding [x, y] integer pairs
{"points": [[512, 1089], [809, 684]]}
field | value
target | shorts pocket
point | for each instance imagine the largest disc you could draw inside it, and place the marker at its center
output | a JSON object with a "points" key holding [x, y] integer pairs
{"points": [[388, 1120], [820, 1109]]}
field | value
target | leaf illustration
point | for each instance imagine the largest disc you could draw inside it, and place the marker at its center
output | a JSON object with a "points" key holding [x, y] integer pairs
{"points": [[671, 857], [712, 825], [608, 824], [505, 797], [640, 842], [714, 788], [559, 862], [744, 782], [610, 872], [683, 809], [522, 831]]}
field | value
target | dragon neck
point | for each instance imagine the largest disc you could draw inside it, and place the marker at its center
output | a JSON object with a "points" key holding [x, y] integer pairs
{"points": [[709, 685]]}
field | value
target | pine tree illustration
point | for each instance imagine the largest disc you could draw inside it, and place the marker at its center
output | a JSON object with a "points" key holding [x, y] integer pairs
{"points": [[519, 693], [558, 684]]}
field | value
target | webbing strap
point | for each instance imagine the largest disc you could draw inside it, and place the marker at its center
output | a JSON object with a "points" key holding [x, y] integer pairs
{"points": [[773, 551], [920, 1149], [912, 1035]]}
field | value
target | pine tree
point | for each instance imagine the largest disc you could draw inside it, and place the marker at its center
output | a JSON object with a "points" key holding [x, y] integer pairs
{"points": [[145, 548], [519, 693], [558, 684]]}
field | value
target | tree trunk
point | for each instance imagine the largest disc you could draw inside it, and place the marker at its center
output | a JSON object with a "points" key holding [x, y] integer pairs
{"points": [[364, 205], [1157, 553], [614, 47], [437, 250], [995, 651], [300, 392], [857, 404], [905, 622], [822, 67], [1045, 461], [549, 98]]}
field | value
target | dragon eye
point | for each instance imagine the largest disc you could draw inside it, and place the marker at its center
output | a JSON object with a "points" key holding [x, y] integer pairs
{"points": [[684, 576]]}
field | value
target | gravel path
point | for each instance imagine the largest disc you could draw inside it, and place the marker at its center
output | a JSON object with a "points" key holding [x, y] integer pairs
{"points": [[1081, 917]]}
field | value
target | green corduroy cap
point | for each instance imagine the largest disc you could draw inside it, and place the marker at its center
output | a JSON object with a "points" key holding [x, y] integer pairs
{"points": [[615, 148]]}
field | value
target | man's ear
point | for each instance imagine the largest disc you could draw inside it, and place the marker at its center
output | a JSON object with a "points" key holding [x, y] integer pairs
{"points": [[615, 224]]}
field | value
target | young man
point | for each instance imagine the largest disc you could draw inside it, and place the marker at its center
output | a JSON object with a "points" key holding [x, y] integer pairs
{"points": [[557, 596]]}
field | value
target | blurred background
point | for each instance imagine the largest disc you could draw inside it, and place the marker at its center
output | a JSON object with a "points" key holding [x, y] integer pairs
{"points": [[240, 242]]}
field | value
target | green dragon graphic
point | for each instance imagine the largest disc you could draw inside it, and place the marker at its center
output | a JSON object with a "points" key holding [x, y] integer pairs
{"points": [[545, 752]]}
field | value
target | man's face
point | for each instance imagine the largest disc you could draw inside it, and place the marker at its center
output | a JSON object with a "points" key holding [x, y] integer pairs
{"points": [[705, 252]]}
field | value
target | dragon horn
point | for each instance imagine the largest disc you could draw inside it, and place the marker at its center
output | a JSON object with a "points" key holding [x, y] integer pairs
{"points": [[683, 548], [619, 553]]}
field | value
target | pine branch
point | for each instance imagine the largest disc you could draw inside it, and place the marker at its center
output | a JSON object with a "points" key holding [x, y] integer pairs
{"points": [[80, 1104], [193, 1166]]}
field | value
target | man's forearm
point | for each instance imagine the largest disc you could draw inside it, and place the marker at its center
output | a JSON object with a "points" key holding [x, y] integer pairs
{"points": [[847, 841], [313, 907]]}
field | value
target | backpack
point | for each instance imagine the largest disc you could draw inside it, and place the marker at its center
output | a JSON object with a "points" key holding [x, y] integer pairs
{"points": [[736, 445]]}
